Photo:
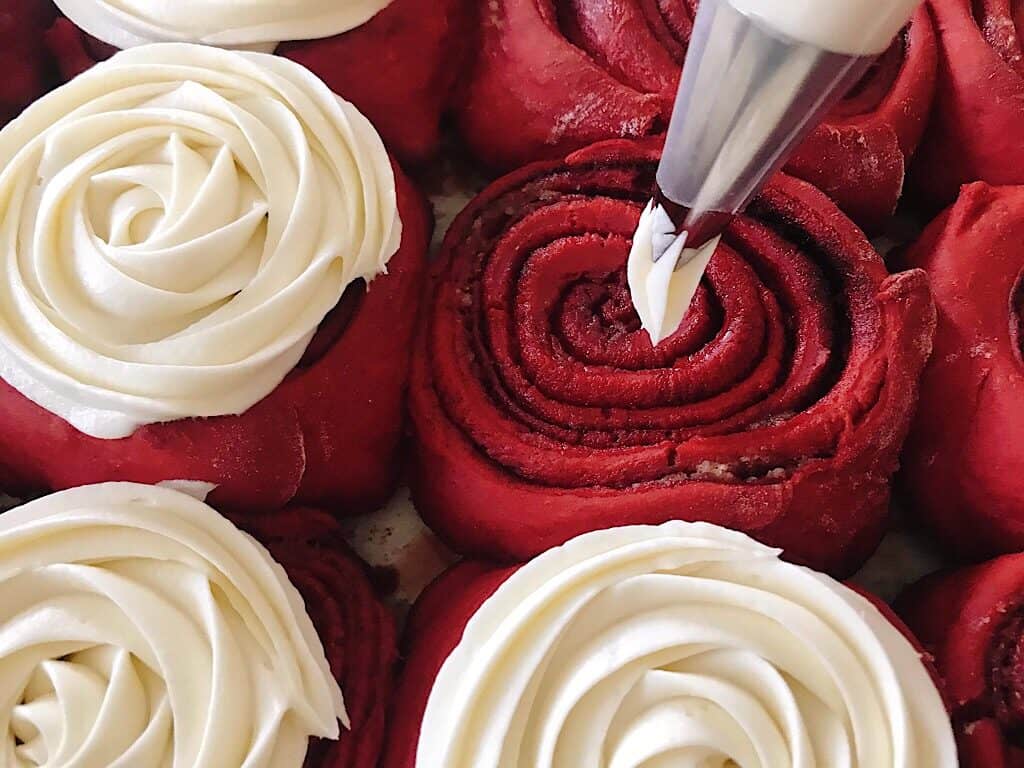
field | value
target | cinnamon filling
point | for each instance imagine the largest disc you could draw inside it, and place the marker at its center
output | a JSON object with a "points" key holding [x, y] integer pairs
{"points": [[1006, 671], [1017, 318]]}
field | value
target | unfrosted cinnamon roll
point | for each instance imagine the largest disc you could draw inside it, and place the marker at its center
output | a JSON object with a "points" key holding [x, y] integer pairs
{"points": [[542, 411], [974, 132]]}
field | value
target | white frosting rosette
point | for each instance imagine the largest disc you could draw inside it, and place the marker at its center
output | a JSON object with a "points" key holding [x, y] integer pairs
{"points": [[140, 629], [681, 645], [256, 24], [175, 224]]}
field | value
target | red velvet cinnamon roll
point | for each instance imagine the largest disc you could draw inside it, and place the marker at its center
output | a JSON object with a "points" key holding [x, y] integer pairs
{"points": [[542, 411], [23, 57], [555, 75], [396, 60], [357, 631], [965, 458], [972, 622], [192, 231], [140, 628], [683, 644], [974, 133]]}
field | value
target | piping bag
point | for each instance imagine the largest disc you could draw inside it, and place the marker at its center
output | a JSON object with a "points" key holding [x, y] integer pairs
{"points": [[759, 76]]}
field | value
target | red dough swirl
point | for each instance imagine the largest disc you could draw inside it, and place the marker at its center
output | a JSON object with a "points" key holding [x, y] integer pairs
{"points": [[541, 410], [399, 68], [23, 58], [556, 75], [972, 622], [356, 629], [974, 133], [965, 460]]}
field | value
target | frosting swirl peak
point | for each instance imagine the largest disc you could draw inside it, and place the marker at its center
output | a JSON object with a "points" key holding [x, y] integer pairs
{"points": [[176, 222], [139, 629], [685, 644], [229, 23]]}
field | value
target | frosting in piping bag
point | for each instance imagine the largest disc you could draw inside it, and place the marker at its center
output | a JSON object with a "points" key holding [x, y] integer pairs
{"points": [[680, 645], [140, 629], [850, 27], [176, 223], [257, 24]]}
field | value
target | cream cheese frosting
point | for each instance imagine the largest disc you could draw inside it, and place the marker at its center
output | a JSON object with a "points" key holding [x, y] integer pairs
{"points": [[849, 27], [176, 223], [255, 24], [663, 290], [680, 645], [140, 629]]}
